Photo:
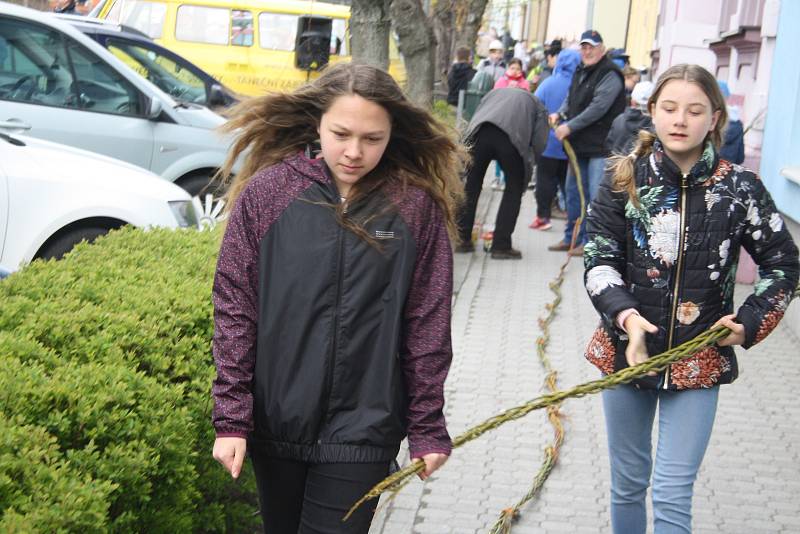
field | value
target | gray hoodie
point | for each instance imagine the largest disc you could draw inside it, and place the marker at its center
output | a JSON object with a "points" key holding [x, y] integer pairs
{"points": [[520, 115]]}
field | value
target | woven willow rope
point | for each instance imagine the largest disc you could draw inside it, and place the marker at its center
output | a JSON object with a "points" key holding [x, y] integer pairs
{"points": [[397, 480], [656, 364], [508, 515]]}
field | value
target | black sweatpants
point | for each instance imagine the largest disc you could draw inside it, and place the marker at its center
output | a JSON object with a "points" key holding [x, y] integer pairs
{"points": [[551, 174], [298, 497], [492, 143]]}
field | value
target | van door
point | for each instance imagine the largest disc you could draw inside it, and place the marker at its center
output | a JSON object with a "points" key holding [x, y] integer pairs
{"points": [[66, 94]]}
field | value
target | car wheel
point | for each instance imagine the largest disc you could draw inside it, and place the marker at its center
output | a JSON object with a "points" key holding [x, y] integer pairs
{"points": [[65, 242], [206, 199]]}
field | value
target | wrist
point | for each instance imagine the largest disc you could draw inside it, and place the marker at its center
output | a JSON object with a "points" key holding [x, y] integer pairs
{"points": [[623, 316]]}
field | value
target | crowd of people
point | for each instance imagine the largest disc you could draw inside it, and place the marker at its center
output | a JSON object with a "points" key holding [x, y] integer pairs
{"points": [[333, 286], [595, 99]]}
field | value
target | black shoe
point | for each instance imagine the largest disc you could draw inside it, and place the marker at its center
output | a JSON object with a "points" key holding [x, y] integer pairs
{"points": [[507, 254], [465, 247]]}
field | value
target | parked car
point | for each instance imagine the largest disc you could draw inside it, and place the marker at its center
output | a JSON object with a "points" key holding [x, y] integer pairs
{"points": [[60, 85], [54, 196], [170, 72], [250, 45]]}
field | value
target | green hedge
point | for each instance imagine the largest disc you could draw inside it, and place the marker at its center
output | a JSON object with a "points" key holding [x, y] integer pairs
{"points": [[105, 401]]}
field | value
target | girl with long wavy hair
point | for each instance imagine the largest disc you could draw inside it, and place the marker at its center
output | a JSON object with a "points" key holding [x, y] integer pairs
{"points": [[665, 232], [332, 295]]}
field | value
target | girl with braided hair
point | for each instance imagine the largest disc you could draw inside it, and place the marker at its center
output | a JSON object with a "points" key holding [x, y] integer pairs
{"points": [[664, 236]]}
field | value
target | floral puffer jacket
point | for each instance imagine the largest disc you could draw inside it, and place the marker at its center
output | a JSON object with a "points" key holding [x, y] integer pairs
{"points": [[673, 258]]}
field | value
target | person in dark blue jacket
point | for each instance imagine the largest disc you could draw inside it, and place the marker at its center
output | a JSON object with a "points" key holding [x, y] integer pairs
{"points": [[551, 170], [732, 148]]}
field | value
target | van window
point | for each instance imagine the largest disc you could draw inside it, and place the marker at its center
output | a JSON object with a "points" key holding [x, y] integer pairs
{"points": [[171, 77], [339, 38], [35, 67], [147, 17], [100, 87], [200, 24], [277, 31], [50, 69], [241, 28]]}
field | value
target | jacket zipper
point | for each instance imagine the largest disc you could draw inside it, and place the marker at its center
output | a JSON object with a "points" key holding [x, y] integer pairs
{"points": [[678, 273], [326, 397]]}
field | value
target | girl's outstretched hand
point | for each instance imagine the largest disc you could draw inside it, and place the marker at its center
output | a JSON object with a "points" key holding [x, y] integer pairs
{"points": [[230, 453], [736, 337], [637, 326], [433, 461]]}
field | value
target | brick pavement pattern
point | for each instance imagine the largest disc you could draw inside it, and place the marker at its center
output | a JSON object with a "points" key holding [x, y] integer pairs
{"points": [[749, 482]]}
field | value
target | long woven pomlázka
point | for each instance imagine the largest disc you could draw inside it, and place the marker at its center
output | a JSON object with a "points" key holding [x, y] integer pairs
{"points": [[657, 363], [508, 515]]}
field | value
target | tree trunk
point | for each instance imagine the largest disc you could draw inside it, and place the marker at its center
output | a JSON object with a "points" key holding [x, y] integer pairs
{"points": [[468, 17], [369, 32], [417, 44], [443, 30]]}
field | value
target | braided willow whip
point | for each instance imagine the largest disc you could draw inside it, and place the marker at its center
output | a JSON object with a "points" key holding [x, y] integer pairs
{"points": [[573, 161], [657, 363], [508, 515]]}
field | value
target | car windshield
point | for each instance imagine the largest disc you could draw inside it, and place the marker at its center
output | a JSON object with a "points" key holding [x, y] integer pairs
{"points": [[167, 74]]}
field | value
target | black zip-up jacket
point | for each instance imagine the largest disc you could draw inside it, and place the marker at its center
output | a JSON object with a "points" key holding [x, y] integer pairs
{"points": [[674, 258], [328, 349]]}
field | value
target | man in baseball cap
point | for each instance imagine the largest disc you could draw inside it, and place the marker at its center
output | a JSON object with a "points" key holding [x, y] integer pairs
{"points": [[591, 37], [596, 96]]}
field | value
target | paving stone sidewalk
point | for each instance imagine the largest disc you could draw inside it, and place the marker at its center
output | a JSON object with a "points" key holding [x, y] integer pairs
{"points": [[749, 482]]}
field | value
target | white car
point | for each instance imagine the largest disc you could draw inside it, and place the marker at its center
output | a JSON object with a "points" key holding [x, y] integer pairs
{"points": [[60, 85], [53, 196]]}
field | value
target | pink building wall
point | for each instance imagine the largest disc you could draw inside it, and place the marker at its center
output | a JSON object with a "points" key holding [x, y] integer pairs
{"points": [[735, 40]]}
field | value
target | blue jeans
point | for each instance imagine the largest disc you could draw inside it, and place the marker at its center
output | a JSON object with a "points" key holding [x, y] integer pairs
{"points": [[592, 170], [685, 419]]}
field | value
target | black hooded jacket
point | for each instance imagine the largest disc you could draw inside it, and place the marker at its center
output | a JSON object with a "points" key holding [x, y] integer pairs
{"points": [[625, 130], [458, 78]]}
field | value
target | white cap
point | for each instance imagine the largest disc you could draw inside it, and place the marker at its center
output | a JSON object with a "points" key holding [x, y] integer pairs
{"points": [[496, 45], [641, 92]]}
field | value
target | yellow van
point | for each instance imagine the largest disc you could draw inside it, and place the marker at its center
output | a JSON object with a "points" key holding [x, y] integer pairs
{"points": [[249, 45]]}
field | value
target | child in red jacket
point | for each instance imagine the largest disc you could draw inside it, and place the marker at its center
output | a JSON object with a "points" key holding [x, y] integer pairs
{"points": [[513, 76]]}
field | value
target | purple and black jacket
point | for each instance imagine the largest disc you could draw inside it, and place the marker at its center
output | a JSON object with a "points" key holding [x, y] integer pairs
{"points": [[327, 348]]}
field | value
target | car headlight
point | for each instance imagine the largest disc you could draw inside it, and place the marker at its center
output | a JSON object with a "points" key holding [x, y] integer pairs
{"points": [[184, 213]]}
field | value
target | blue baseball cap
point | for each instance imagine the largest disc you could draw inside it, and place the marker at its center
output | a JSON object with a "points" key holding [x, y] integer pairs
{"points": [[591, 37]]}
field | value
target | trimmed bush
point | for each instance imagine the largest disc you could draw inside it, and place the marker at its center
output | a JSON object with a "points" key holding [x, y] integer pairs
{"points": [[109, 352]]}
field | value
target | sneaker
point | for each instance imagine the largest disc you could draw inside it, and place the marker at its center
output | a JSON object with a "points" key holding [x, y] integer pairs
{"points": [[557, 213], [465, 247], [540, 224], [559, 247], [507, 254], [577, 251]]}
